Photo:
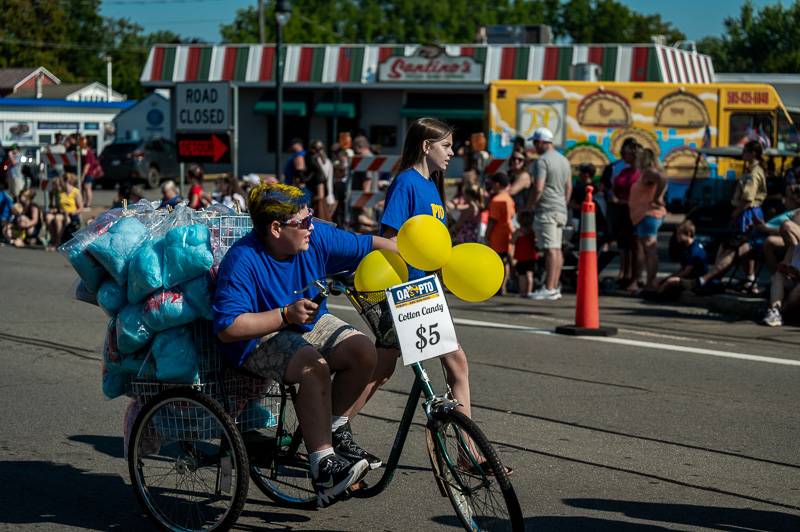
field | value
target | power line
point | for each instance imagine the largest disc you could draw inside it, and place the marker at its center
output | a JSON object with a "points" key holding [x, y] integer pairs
{"points": [[71, 45]]}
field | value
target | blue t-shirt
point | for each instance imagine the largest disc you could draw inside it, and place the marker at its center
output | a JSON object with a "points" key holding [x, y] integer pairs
{"points": [[250, 280], [409, 195], [288, 168], [695, 256], [6, 202]]}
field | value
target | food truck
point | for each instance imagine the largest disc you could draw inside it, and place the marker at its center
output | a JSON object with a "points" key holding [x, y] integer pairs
{"points": [[590, 120]]}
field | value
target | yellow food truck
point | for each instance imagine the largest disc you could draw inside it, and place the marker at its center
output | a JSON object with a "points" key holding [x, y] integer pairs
{"points": [[590, 120]]}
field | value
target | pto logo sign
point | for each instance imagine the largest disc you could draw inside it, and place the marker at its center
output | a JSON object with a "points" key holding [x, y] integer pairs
{"points": [[422, 319]]}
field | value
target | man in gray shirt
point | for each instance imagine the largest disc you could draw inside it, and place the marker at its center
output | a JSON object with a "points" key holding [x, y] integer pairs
{"points": [[548, 199]]}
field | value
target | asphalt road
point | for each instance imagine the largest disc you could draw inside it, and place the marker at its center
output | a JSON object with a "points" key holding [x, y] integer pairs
{"points": [[684, 421]]}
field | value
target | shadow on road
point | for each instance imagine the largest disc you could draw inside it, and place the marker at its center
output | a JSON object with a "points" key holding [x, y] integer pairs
{"points": [[549, 523], [46, 492], [713, 517], [108, 445]]}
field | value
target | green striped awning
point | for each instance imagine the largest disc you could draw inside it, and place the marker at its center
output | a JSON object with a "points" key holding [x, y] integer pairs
{"points": [[463, 114], [341, 109], [289, 108]]}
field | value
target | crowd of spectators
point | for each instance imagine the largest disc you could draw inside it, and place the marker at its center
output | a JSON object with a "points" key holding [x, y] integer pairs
{"points": [[530, 214]]}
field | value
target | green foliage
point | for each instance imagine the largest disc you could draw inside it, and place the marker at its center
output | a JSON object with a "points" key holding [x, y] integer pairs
{"points": [[763, 40], [454, 21]]}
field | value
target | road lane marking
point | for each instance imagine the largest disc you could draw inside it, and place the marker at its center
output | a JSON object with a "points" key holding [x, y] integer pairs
{"points": [[613, 340]]}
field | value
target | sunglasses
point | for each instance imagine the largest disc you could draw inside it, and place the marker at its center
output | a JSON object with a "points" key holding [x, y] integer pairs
{"points": [[303, 223], [518, 159]]}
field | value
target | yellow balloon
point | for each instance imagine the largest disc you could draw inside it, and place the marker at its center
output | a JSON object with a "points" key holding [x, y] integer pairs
{"points": [[424, 242], [379, 270], [474, 273]]}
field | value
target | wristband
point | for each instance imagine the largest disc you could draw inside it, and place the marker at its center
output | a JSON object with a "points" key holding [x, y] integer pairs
{"points": [[284, 317]]}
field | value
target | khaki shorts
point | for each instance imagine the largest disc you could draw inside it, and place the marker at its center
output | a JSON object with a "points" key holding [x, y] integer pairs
{"points": [[273, 352], [549, 230]]}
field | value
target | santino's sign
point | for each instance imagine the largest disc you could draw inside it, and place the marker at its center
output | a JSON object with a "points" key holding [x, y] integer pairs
{"points": [[430, 64]]}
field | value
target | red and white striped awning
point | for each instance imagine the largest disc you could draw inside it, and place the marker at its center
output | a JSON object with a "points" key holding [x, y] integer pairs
{"points": [[358, 64]]}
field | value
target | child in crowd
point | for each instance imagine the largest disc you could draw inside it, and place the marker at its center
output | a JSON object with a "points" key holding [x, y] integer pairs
{"points": [[468, 216], [525, 253], [500, 225], [694, 261]]}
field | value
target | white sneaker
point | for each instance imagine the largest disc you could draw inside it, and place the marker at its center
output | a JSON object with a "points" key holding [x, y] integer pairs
{"points": [[773, 317], [544, 294]]}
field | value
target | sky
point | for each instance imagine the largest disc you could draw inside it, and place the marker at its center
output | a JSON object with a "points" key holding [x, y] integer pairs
{"points": [[202, 18]]}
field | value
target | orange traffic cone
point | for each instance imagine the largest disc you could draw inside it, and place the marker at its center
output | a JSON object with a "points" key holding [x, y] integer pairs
{"points": [[587, 308]]}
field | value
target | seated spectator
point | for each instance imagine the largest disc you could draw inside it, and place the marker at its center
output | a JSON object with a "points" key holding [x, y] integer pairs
{"points": [[526, 255], [772, 236], [127, 195], [63, 218], [784, 291], [198, 198], [170, 196], [27, 224], [750, 192], [500, 226], [785, 225], [694, 261]]}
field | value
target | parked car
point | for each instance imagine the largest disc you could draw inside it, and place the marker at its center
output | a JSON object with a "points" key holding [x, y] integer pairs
{"points": [[150, 161]]}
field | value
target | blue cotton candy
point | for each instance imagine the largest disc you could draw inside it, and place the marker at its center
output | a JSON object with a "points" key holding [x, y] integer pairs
{"points": [[187, 254], [144, 271], [198, 293], [256, 416], [167, 309], [88, 269], [111, 297], [176, 356], [132, 333], [114, 248]]}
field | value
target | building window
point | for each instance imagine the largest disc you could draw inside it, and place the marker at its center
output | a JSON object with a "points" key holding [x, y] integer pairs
{"points": [[385, 136]]}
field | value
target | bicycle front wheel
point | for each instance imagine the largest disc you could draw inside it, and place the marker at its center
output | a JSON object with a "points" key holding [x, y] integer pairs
{"points": [[472, 476], [187, 462]]}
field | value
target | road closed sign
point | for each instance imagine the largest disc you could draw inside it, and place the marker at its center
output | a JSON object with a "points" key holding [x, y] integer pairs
{"points": [[203, 106]]}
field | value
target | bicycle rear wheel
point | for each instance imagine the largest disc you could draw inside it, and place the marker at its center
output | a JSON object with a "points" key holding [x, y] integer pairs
{"points": [[280, 468], [187, 462], [472, 476]]}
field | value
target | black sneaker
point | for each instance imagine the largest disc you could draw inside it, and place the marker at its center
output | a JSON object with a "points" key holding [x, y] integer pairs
{"points": [[345, 446], [335, 475]]}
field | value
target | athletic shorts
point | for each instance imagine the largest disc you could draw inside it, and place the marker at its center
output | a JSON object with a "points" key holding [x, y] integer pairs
{"points": [[525, 266], [272, 354], [549, 229], [648, 227]]}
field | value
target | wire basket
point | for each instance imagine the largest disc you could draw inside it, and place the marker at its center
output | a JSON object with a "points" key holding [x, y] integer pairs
{"points": [[252, 402], [374, 309]]}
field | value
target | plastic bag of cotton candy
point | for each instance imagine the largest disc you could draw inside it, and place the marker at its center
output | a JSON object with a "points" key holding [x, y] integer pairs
{"points": [[151, 272]]}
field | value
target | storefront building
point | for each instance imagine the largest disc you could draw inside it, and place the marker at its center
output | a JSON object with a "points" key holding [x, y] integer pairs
{"points": [[376, 90]]}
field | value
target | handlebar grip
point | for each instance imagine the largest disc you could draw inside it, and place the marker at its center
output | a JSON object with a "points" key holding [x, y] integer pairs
{"points": [[319, 298]]}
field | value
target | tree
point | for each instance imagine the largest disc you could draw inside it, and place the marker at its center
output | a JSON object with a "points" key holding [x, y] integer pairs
{"points": [[758, 41], [608, 21]]}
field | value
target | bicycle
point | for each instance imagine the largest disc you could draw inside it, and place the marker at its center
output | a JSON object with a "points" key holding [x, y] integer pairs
{"points": [[194, 448], [466, 467]]}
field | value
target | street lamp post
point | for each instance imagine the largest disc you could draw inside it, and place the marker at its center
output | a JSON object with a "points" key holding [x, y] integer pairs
{"points": [[282, 14]]}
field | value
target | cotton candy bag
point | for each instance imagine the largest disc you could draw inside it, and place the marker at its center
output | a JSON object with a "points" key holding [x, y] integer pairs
{"points": [[111, 297], [199, 293], [167, 309], [145, 270], [176, 356], [132, 333], [115, 247], [187, 250]]}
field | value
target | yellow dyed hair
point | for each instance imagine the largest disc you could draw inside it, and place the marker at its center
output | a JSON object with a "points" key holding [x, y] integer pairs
{"points": [[269, 202]]}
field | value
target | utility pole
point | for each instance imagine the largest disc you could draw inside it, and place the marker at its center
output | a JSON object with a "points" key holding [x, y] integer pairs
{"points": [[108, 78]]}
